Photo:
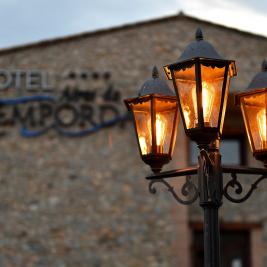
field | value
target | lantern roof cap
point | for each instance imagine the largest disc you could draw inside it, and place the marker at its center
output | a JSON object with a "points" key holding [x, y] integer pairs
{"points": [[259, 81], [199, 48], [155, 85]]}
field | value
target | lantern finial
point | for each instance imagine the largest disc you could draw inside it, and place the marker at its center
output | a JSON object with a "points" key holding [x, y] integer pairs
{"points": [[155, 72], [199, 34], [264, 65]]}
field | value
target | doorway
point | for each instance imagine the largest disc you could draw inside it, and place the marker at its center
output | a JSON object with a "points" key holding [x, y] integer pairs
{"points": [[235, 248]]}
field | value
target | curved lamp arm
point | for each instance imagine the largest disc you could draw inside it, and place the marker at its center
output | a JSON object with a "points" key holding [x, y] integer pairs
{"points": [[189, 186], [235, 184], [186, 189]]}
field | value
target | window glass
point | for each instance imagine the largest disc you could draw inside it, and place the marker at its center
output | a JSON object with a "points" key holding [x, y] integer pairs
{"points": [[235, 250], [236, 263], [230, 149]]}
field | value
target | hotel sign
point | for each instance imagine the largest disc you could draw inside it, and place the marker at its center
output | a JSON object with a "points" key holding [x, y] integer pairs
{"points": [[74, 104]]}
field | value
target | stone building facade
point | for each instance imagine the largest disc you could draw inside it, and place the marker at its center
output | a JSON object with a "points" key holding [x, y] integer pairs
{"points": [[72, 190]]}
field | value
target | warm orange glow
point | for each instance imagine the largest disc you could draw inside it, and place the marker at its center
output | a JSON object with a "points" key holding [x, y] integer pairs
{"points": [[160, 130], [261, 120], [143, 145], [208, 94], [146, 139], [187, 117], [207, 100]]}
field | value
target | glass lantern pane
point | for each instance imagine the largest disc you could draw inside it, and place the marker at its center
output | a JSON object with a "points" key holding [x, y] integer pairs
{"points": [[165, 125], [225, 101], [142, 116], [254, 113], [212, 82], [186, 85]]}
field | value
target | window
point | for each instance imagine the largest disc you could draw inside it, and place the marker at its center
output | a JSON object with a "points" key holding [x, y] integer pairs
{"points": [[232, 149], [235, 248]]}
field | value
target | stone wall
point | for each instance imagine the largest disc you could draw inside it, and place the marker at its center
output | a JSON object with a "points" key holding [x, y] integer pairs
{"points": [[69, 202]]}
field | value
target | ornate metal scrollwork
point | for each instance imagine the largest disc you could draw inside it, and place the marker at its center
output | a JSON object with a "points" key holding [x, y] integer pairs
{"points": [[187, 188], [235, 184]]}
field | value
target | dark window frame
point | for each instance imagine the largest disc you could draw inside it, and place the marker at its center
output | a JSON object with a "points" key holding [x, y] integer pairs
{"points": [[243, 145], [242, 152], [226, 228]]}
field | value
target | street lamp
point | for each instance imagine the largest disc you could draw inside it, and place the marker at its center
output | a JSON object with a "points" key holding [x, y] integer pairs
{"points": [[253, 104], [201, 80], [155, 113]]}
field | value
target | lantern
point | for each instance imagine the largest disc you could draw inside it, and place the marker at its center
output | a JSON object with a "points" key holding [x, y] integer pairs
{"points": [[155, 118], [201, 80], [253, 104]]}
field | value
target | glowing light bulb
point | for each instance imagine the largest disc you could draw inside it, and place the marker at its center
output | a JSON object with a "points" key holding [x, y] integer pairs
{"points": [[145, 139], [207, 101], [261, 120], [143, 145], [160, 132]]}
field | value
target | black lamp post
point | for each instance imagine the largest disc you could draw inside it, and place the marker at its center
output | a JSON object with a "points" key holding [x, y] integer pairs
{"points": [[201, 80]]}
